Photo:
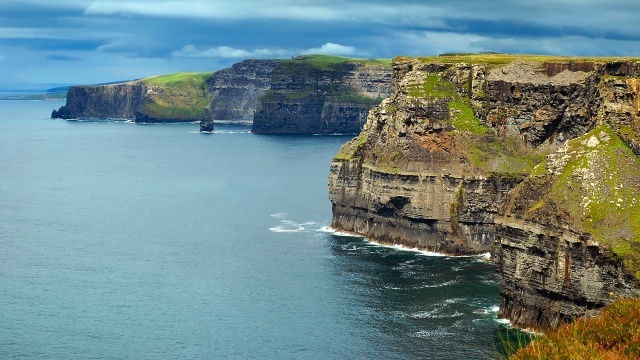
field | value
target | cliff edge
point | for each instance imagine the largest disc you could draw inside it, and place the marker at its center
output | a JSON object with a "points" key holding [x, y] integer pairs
{"points": [[533, 158]]}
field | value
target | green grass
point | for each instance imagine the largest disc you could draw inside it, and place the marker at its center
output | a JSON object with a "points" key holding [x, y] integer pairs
{"points": [[177, 96], [614, 334], [178, 79], [463, 118], [432, 88], [501, 156], [349, 150]]}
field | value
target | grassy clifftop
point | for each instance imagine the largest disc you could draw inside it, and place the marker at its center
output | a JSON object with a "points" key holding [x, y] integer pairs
{"points": [[176, 96]]}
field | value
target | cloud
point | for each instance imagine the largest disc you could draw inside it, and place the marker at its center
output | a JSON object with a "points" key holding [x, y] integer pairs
{"points": [[276, 9], [227, 52], [331, 49], [62, 58]]}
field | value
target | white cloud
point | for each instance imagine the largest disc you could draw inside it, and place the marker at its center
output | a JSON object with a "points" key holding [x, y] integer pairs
{"points": [[227, 52], [331, 49]]}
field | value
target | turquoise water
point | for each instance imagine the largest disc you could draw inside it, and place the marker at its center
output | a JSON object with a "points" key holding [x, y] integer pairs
{"points": [[122, 241]]}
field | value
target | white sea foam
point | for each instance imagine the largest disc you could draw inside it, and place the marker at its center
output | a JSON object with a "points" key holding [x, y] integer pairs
{"points": [[446, 283], [290, 226], [429, 334], [406, 248], [435, 314], [330, 230]]}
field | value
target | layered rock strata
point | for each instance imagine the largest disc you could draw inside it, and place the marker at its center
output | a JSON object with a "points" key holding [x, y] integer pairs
{"points": [[234, 92], [119, 101], [316, 97], [448, 163]]}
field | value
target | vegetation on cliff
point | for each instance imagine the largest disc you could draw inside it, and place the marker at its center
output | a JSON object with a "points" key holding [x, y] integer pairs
{"points": [[592, 183], [614, 334], [176, 96], [486, 151]]}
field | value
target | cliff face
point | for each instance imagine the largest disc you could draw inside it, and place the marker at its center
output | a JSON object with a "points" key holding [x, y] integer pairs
{"points": [[448, 163], [321, 95], [103, 101], [234, 92]]}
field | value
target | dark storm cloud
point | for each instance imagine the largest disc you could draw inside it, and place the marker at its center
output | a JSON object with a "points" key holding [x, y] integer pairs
{"points": [[118, 38]]}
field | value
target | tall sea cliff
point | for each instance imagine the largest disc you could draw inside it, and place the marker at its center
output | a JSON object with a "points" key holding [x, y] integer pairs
{"points": [[534, 159]]}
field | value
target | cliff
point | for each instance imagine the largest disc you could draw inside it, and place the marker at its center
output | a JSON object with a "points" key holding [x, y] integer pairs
{"points": [[234, 92], [102, 101], [319, 94], [454, 161], [313, 94], [170, 98]]}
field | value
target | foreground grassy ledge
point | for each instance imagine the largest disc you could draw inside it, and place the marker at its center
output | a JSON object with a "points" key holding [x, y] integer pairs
{"points": [[534, 158], [614, 334]]}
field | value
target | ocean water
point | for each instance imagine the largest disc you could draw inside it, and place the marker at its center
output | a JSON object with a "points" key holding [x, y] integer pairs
{"points": [[125, 241]]}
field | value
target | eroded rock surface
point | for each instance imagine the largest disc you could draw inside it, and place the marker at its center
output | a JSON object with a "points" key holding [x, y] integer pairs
{"points": [[534, 159]]}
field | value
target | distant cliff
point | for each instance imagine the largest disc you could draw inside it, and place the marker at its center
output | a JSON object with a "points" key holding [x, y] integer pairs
{"points": [[321, 95], [170, 98], [312, 94], [535, 159], [234, 92], [103, 101]]}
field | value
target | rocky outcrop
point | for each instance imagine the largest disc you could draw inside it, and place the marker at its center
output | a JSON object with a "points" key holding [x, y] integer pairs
{"points": [[448, 163], [321, 95], [234, 92]]}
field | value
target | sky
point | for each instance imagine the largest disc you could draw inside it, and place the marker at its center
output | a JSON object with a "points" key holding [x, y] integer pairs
{"points": [[46, 43]]}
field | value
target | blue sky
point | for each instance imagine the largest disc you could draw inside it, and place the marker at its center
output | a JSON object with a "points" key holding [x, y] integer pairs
{"points": [[51, 42]]}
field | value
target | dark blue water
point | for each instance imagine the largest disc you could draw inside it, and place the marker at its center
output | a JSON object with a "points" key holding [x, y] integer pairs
{"points": [[122, 241]]}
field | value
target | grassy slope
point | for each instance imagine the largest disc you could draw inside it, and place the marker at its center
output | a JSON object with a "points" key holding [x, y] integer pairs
{"points": [[177, 96]]}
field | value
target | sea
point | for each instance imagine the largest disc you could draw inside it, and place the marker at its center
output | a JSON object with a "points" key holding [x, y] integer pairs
{"points": [[128, 241]]}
